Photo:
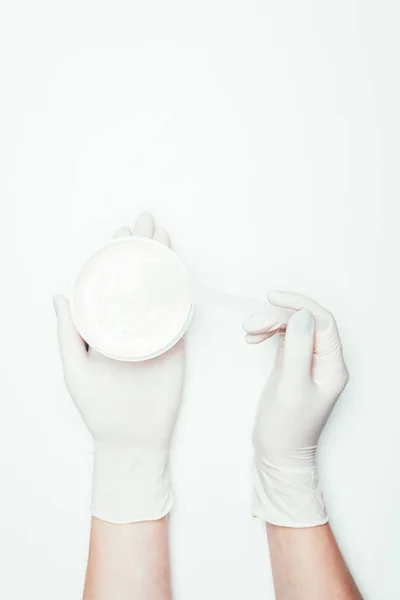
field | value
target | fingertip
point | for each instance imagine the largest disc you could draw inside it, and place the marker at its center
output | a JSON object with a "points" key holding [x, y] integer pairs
{"points": [[301, 322], [257, 338], [278, 298], [161, 235], [122, 232], [252, 339], [299, 345], [144, 225], [260, 323]]}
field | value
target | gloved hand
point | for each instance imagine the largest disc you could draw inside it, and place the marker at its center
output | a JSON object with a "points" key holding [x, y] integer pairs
{"points": [[308, 378], [130, 409]]}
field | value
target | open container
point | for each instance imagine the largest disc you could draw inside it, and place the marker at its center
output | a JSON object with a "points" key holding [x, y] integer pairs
{"points": [[116, 313]]}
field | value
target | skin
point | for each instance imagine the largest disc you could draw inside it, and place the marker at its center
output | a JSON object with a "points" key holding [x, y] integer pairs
{"points": [[307, 565], [128, 561]]}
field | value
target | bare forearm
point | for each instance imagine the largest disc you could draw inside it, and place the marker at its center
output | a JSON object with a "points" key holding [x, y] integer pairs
{"points": [[128, 562], [307, 563]]}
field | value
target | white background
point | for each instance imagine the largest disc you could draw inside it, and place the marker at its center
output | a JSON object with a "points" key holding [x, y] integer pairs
{"points": [[263, 136]]}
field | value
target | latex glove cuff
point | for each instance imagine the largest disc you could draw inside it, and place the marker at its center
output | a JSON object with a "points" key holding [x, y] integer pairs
{"points": [[287, 497], [129, 484]]}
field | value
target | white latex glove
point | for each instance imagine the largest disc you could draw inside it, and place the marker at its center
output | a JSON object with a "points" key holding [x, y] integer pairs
{"points": [[308, 378], [130, 409]]}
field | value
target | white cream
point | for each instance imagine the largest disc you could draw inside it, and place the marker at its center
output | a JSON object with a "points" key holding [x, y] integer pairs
{"points": [[116, 310]]}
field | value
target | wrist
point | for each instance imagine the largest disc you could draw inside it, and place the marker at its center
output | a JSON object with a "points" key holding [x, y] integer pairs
{"points": [[130, 484]]}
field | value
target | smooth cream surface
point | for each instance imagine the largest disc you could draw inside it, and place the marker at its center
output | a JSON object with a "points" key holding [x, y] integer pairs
{"points": [[115, 308]]}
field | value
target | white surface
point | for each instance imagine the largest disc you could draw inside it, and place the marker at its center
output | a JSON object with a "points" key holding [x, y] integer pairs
{"points": [[263, 136]]}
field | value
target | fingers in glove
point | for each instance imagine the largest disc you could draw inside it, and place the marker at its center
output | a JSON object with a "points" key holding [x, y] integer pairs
{"points": [[144, 225], [258, 323], [296, 301], [160, 235], [327, 339], [258, 337], [122, 232], [299, 346]]}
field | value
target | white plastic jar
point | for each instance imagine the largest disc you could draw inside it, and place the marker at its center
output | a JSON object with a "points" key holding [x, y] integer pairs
{"points": [[116, 313]]}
